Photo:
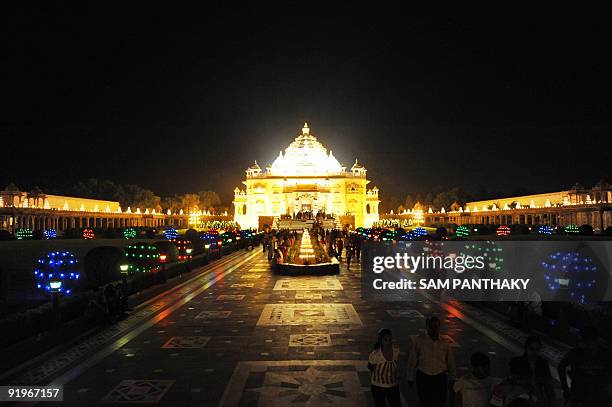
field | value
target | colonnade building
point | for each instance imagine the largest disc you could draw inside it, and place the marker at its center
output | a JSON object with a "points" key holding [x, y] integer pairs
{"points": [[578, 205], [36, 210]]}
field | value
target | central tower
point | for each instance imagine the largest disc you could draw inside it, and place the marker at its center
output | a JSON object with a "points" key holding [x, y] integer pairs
{"points": [[306, 178]]}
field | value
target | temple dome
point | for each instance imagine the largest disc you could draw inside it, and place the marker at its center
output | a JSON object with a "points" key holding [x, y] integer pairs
{"points": [[306, 156]]}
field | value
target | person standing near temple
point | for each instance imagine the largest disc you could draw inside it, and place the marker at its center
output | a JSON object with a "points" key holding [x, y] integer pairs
{"points": [[357, 245], [339, 248], [432, 364], [349, 254]]}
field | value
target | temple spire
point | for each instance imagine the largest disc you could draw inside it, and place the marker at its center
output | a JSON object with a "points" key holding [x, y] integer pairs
{"points": [[305, 129]]}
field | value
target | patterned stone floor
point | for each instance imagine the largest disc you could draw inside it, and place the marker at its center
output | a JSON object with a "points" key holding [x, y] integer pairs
{"points": [[252, 338]]}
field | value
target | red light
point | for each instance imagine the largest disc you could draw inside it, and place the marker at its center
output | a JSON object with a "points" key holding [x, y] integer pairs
{"points": [[162, 258]]}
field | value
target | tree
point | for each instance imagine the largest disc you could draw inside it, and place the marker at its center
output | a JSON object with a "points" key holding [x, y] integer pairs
{"points": [[209, 200], [409, 201], [190, 202]]}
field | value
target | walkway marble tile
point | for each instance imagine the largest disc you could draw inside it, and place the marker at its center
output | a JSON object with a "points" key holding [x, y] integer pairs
{"points": [[308, 296], [242, 285], [308, 314], [308, 284], [213, 314], [298, 382], [310, 340], [404, 313], [230, 297], [186, 342], [138, 391]]}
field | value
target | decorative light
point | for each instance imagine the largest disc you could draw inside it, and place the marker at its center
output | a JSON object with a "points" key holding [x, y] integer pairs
{"points": [[88, 234], [184, 248], [462, 231], [50, 234], [24, 233], [306, 249], [56, 272], [573, 275], [142, 258], [129, 233], [419, 232], [572, 229], [503, 230], [545, 230], [171, 233]]}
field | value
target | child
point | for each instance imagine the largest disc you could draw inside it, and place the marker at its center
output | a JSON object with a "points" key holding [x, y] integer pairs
{"points": [[475, 388], [517, 386]]}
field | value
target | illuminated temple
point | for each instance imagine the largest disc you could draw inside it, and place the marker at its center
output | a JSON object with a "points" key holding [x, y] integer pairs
{"points": [[304, 181]]}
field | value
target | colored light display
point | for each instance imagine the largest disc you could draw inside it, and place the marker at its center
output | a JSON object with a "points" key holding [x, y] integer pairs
{"points": [[129, 233], [545, 230], [23, 234], [57, 271], [185, 248], [572, 229], [88, 234], [387, 235], [142, 258], [50, 234], [503, 230], [420, 232], [171, 234], [462, 231], [572, 275]]}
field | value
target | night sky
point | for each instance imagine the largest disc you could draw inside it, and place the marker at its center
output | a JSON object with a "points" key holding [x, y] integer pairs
{"points": [[180, 100]]}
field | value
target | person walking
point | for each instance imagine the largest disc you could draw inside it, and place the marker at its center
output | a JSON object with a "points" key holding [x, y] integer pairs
{"points": [[432, 364], [539, 371], [349, 255], [383, 365], [339, 247], [357, 245], [590, 372]]}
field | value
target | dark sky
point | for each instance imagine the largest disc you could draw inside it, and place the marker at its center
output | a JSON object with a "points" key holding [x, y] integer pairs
{"points": [[178, 100]]}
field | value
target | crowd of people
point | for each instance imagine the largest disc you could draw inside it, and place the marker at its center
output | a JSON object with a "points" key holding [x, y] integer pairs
{"points": [[337, 243], [528, 382]]}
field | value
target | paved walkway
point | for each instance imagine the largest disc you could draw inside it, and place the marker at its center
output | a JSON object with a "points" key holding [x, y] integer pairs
{"points": [[239, 335]]}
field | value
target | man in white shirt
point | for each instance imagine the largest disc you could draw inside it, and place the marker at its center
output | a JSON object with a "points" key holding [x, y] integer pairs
{"points": [[432, 364]]}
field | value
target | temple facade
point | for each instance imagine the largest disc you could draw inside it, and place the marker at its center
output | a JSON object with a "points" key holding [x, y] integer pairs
{"points": [[304, 181]]}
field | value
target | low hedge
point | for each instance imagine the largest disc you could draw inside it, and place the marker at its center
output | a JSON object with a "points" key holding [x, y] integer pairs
{"points": [[18, 326]]}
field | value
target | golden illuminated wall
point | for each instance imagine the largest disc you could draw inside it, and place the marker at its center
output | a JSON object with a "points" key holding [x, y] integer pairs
{"points": [[536, 200], [59, 202]]}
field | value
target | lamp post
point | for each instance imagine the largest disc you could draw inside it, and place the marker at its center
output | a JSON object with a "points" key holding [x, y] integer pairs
{"points": [[188, 251], [162, 259], [123, 268], [56, 285]]}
